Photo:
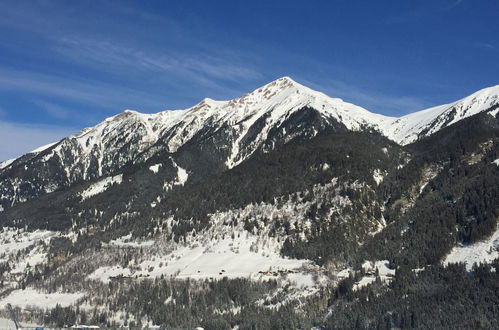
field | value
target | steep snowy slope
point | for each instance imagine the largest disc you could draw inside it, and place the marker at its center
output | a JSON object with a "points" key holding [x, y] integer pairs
{"points": [[411, 127]]}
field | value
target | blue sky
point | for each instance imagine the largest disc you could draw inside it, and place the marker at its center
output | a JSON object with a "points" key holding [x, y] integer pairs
{"points": [[65, 65]]}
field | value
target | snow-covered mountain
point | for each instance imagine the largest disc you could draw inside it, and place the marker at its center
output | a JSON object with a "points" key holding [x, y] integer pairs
{"points": [[265, 109], [214, 135], [221, 133]]}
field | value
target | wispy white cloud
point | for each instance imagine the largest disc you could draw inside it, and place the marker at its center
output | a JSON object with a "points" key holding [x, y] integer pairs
{"points": [[18, 139], [206, 67], [421, 12], [374, 101], [454, 4], [484, 45], [113, 54], [54, 110], [69, 88]]}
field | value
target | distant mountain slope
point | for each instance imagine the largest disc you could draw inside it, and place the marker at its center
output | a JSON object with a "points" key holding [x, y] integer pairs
{"points": [[423, 123]]}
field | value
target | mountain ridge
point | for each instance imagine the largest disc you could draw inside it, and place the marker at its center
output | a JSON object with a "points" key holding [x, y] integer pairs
{"points": [[403, 130], [213, 136]]}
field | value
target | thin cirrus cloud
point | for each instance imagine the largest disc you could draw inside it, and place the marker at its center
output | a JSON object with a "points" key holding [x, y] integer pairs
{"points": [[25, 137], [206, 67], [91, 92], [423, 12], [454, 4], [485, 45], [54, 110]]}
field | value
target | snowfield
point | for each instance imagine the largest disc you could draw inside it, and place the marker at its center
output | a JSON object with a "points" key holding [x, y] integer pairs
{"points": [[7, 324], [224, 249], [32, 297]]}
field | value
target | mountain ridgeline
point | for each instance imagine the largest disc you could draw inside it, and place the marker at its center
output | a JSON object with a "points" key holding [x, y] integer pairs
{"points": [[302, 176]]}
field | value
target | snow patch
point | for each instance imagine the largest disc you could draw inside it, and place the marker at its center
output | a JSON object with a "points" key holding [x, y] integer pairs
{"points": [[385, 274], [484, 251], [129, 242], [241, 256], [155, 168], [104, 274], [35, 257], [182, 175], [101, 186], [378, 176]]}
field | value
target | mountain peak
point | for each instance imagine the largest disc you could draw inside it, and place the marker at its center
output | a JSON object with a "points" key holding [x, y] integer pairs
{"points": [[282, 83], [287, 81]]}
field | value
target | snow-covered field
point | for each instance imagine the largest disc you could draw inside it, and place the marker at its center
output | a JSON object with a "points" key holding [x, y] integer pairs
{"points": [[32, 297], [484, 251], [7, 324], [242, 256]]}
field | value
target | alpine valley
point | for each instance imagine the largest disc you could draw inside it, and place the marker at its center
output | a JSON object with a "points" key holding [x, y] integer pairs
{"points": [[282, 209]]}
